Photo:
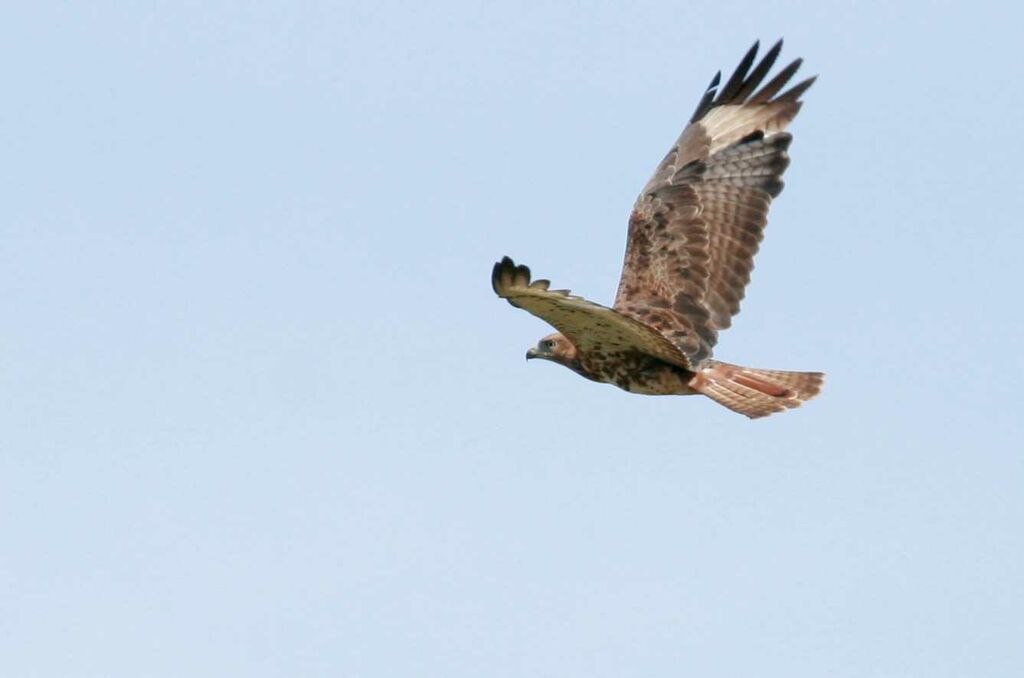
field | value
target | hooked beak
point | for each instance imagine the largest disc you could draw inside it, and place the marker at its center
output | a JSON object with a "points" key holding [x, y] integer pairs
{"points": [[532, 353]]}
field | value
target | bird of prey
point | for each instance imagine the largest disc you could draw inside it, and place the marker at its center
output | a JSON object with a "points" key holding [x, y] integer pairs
{"points": [[693, 233]]}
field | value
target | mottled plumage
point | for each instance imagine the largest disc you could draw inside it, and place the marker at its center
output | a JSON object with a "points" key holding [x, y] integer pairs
{"points": [[693, 234]]}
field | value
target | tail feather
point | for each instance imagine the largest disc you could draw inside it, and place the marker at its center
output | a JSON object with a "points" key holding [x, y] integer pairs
{"points": [[756, 393]]}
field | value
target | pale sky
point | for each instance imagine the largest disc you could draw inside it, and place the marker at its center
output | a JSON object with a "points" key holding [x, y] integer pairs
{"points": [[263, 415]]}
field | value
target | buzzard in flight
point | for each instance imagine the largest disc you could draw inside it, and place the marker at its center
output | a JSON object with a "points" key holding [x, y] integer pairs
{"points": [[692, 237]]}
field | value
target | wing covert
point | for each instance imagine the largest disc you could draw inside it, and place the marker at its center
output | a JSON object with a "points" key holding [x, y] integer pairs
{"points": [[665, 274], [722, 173]]}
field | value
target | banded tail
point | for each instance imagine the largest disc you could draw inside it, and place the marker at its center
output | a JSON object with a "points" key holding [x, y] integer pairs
{"points": [[756, 393]]}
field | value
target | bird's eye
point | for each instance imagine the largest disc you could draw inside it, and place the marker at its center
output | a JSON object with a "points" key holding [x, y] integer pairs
{"points": [[547, 344]]}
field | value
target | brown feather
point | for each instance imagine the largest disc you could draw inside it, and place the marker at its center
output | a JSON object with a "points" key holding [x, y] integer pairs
{"points": [[665, 273], [600, 334], [699, 221], [693, 234], [755, 392]]}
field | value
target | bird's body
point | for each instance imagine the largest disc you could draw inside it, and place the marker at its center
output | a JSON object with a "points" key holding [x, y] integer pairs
{"points": [[638, 373], [692, 237], [654, 377]]}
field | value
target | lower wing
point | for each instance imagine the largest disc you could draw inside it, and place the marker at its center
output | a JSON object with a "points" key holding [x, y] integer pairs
{"points": [[590, 327]]}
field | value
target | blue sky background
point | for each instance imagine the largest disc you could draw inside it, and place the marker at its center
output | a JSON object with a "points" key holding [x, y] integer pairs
{"points": [[263, 416]]}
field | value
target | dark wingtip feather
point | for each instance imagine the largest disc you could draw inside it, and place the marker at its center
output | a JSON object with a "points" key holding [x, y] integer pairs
{"points": [[738, 77], [794, 92], [506, 265], [496, 275], [742, 86], [776, 83], [757, 75], [707, 100], [522, 278]]}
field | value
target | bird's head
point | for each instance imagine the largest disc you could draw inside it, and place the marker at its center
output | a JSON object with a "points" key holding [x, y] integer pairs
{"points": [[556, 348]]}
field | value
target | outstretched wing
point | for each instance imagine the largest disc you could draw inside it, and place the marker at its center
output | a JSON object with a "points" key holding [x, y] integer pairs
{"points": [[699, 221], [666, 271], [595, 330]]}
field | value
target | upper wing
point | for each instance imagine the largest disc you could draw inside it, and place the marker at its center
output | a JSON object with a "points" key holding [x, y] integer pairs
{"points": [[666, 271], [592, 328], [699, 221]]}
